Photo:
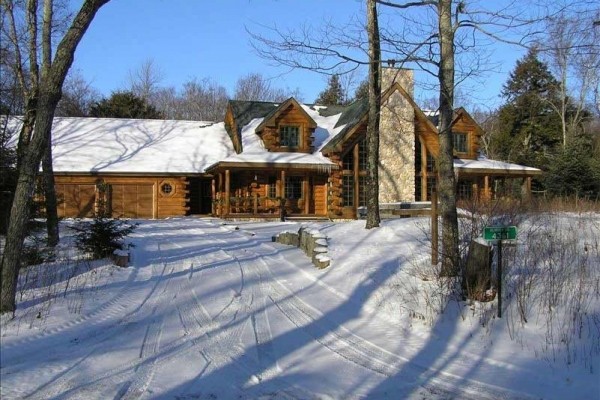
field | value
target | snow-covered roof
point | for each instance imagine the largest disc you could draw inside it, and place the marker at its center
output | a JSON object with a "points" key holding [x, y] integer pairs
{"points": [[485, 165], [118, 145], [255, 153]]}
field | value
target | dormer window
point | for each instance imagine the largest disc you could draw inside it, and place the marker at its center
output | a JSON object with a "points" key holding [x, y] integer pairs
{"points": [[460, 142], [289, 136]]}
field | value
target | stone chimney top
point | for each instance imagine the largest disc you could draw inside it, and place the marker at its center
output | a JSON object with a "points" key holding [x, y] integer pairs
{"points": [[391, 75]]}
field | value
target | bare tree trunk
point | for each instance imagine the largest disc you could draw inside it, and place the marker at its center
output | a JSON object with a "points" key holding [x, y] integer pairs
{"points": [[50, 90], [373, 218], [50, 195], [48, 172], [447, 180], [26, 129]]}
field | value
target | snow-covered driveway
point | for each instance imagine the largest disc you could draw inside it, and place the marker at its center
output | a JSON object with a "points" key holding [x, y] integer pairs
{"points": [[208, 311]]}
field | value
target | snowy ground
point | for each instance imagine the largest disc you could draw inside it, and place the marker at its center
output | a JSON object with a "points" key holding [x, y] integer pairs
{"points": [[208, 311]]}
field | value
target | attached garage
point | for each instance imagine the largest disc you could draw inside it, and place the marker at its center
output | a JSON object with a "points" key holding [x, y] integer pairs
{"points": [[132, 200], [125, 196], [76, 200]]}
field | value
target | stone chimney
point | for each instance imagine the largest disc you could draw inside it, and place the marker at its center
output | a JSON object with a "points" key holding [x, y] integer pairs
{"points": [[397, 138]]}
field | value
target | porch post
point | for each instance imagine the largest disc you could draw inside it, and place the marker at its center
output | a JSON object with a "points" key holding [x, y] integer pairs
{"points": [[213, 196], [220, 190], [486, 187], [424, 176], [526, 188], [306, 194], [227, 191], [282, 197], [355, 178]]}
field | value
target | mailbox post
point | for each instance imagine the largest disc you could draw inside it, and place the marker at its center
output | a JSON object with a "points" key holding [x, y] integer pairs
{"points": [[495, 235]]}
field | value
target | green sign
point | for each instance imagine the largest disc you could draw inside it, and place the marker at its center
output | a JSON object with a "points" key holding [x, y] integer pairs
{"points": [[499, 232]]}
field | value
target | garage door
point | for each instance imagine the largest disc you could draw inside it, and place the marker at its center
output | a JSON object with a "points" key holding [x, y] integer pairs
{"points": [[75, 201], [132, 201]]}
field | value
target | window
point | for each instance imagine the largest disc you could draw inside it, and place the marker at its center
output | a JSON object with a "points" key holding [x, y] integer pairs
{"points": [[166, 188], [289, 136], [347, 191], [362, 191], [460, 142], [272, 188], [430, 163], [465, 189], [348, 161], [362, 155], [293, 187], [431, 186]]}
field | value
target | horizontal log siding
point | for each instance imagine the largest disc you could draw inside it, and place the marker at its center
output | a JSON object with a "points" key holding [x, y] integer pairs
{"points": [[320, 196], [294, 117], [465, 125]]}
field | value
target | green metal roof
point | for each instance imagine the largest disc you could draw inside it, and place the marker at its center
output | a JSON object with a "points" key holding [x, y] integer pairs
{"points": [[351, 116], [246, 111]]}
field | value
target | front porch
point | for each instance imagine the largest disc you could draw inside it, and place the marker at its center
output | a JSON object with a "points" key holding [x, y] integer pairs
{"points": [[269, 193]]}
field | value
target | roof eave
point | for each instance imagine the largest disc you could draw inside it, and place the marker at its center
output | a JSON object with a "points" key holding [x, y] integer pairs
{"points": [[499, 171], [269, 165]]}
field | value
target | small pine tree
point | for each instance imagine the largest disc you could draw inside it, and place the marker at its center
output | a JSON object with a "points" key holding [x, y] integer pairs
{"points": [[333, 95], [575, 170], [529, 129], [104, 234], [362, 91]]}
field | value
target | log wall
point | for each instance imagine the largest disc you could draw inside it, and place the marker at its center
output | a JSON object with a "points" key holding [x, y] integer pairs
{"points": [[291, 116]]}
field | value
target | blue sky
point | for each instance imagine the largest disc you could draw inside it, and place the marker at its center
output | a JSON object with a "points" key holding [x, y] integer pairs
{"points": [[189, 39]]}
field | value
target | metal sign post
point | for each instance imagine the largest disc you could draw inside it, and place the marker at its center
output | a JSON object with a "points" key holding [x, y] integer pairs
{"points": [[499, 278], [496, 234]]}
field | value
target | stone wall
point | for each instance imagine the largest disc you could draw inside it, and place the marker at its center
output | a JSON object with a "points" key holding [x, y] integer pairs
{"points": [[397, 140], [311, 241]]}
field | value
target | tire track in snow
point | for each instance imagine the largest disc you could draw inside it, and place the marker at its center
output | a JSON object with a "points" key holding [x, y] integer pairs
{"points": [[65, 381], [197, 323], [366, 354], [151, 344], [89, 317]]}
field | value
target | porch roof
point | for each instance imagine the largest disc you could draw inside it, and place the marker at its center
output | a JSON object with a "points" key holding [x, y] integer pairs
{"points": [[485, 166], [275, 160]]}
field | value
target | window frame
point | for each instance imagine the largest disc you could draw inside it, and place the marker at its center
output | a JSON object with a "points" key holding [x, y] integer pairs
{"points": [[163, 185], [272, 187], [285, 132], [465, 141], [293, 187], [347, 190]]}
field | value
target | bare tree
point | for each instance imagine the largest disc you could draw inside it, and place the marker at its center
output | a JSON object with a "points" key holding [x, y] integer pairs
{"points": [[145, 80], [43, 97], [256, 87], [572, 49], [77, 97], [202, 100], [20, 29], [166, 101], [373, 218]]}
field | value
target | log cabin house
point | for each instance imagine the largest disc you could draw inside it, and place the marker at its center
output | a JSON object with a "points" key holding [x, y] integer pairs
{"points": [[313, 157]]}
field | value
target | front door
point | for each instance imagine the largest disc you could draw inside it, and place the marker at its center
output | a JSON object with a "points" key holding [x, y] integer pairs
{"points": [[200, 200]]}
